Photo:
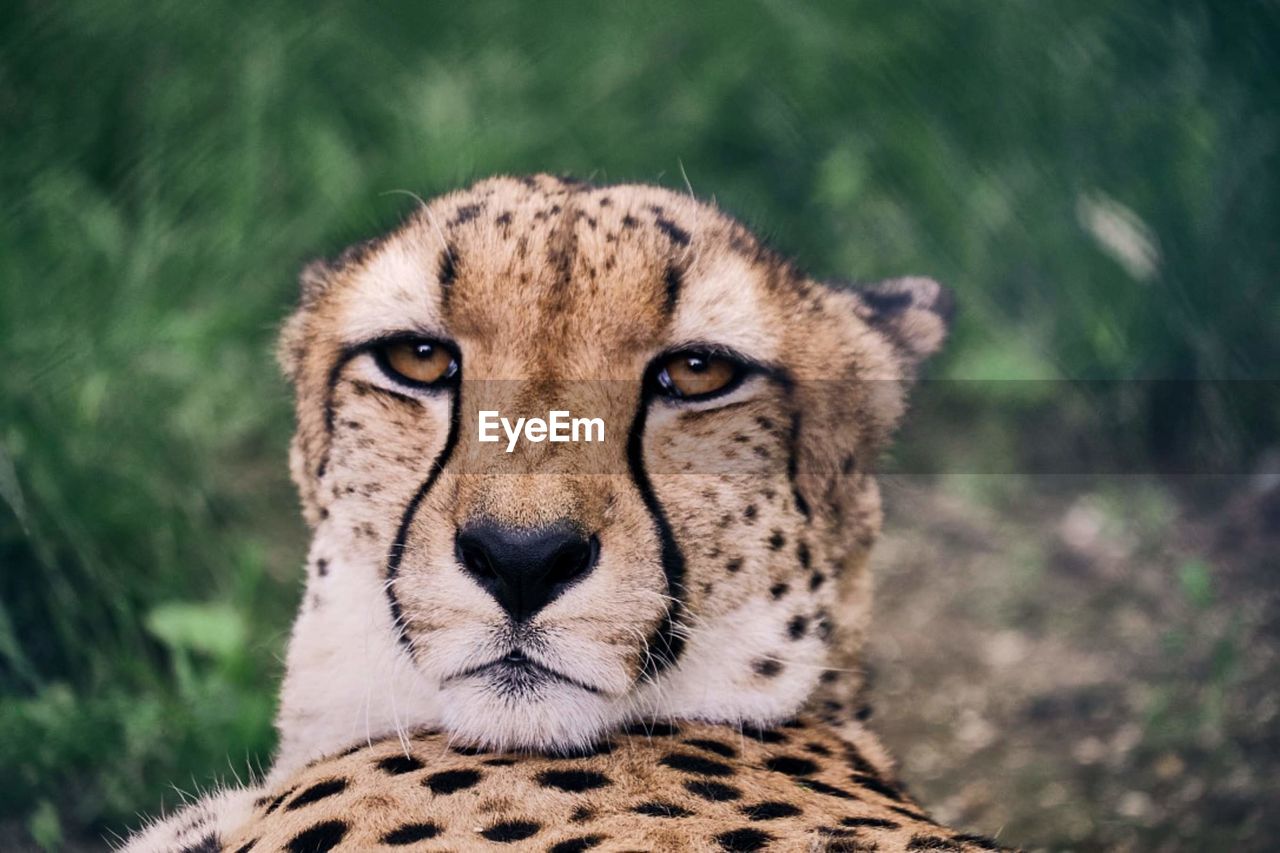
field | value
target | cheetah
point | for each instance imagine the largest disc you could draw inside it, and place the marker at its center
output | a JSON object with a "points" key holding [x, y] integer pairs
{"points": [[645, 642]]}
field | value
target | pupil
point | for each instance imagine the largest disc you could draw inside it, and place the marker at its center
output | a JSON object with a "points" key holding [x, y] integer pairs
{"points": [[696, 364], [423, 351]]}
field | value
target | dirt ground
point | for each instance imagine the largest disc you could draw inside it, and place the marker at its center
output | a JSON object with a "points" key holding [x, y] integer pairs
{"points": [[1084, 664]]}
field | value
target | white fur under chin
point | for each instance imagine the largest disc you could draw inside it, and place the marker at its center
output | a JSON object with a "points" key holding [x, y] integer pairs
{"points": [[349, 680], [551, 717]]}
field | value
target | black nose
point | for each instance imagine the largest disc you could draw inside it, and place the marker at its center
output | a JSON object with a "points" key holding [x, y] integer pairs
{"points": [[525, 569]]}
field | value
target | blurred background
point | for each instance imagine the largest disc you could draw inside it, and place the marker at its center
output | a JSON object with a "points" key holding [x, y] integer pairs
{"points": [[1077, 634]]}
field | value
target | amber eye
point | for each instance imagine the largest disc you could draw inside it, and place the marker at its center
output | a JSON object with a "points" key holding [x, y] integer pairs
{"points": [[691, 375], [417, 362]]}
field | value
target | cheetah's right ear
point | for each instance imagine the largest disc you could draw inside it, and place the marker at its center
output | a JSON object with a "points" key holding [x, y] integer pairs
{"points": [[314, 280], [914, 314]]}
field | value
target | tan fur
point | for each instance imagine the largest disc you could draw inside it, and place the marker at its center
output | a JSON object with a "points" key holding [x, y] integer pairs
{"points": [[732, 585]]}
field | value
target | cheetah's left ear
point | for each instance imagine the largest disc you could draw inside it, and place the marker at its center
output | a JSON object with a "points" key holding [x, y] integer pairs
{"points": [[913, 313]]}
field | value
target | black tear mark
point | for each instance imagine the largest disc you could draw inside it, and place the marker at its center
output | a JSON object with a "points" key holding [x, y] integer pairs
{"points": [[396, 553]]}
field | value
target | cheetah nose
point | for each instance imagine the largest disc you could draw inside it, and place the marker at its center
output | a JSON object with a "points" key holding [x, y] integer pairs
{"points": [[525, 569]]}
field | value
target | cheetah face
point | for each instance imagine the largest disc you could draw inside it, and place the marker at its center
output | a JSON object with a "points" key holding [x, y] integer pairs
{"points": [[702, 561]]}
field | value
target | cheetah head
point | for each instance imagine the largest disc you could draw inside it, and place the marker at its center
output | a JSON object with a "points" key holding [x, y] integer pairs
{"points": [[704, 560]]}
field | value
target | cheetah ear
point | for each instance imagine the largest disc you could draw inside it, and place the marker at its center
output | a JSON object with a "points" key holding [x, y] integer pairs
{"points": [[291, 343], [914, 314], [314, 280]]}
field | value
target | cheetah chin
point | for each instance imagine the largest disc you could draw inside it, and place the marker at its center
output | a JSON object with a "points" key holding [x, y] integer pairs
{"points": [[707, 561]]}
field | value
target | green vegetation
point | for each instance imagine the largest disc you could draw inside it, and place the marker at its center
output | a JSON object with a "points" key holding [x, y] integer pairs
{"points": [[1094, 179]]}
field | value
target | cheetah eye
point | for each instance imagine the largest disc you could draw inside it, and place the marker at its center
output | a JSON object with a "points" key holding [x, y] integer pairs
{"points": [[696, 375], [417, 362]]}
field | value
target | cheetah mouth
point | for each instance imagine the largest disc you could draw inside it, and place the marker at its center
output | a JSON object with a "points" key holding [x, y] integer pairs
{"points": [[514, 672]]}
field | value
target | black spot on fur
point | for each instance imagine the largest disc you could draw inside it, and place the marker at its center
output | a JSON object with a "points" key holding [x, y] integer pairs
{"points": [[769, 810], [503, 219], [829, 790], [317, 792], [875, 783], [733, 566], [654, 728], [743, 840], [911, 813], [715, 791], [793, 724], [871, 822], [777, 540], [671, 281], [847, 464], [657, 809], [275, 804], [857, 761], [816, 580], [446, 267], [465, 214], [792, 765], [797, 626], [686, 763], [320, 838], [582, 813], [802, 554], [574, 781], [410, 833], [449, 781], [977, 840], [767, 668], [397, 764], [749, 513], [322, 567], [499, 762], [208, 844], [629, 221], [674, 232], [931, 842], [469, 750], [246, 847], [721, 749], [765, 735], [511, 830], [576, 845], [778, 590], [817, 748]]}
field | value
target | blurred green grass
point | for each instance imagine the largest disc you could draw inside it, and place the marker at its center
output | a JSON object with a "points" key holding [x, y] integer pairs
{"points": [[1092, 178]]}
